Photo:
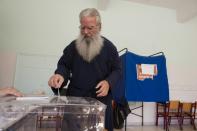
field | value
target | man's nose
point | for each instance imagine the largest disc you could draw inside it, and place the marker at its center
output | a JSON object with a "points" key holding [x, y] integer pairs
{"points": [[86, 31]]}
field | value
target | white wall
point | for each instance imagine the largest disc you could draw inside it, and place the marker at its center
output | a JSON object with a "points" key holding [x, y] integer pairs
{"points": [[47, 26], [7, 68]]}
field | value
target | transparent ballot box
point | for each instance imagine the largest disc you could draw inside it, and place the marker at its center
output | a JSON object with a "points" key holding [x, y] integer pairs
{"points": [[52, 113]]}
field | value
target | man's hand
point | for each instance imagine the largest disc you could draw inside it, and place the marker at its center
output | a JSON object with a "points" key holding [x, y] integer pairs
{"points": [[56, 81], [103, 88]]}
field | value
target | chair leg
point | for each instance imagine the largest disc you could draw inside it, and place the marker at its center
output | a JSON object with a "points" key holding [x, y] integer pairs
{"points": [[57, 123], [194, 118], [164, 122], [167, 124], [169, 120], [156, 120], [156, 115], [194, 126], [193, 123], [180, 121]]}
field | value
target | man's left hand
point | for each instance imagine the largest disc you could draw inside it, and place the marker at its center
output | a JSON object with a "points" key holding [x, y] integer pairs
{"points": [[103, 88]]}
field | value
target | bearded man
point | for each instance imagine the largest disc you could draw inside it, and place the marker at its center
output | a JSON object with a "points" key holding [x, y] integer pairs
{"points": [[91, 63]]}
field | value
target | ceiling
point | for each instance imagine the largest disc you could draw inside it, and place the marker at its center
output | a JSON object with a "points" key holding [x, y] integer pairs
{"points": [[185, 9]]}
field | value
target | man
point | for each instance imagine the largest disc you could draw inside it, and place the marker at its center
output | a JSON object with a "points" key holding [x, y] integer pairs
{"points": [[9, 91], [91, 63]]}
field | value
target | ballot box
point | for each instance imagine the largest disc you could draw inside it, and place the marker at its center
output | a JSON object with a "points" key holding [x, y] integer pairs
{"points": [[17, 117], [52, 113]]}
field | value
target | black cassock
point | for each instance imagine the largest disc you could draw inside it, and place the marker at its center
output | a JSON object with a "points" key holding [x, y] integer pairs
{"points": [[84, 76]]}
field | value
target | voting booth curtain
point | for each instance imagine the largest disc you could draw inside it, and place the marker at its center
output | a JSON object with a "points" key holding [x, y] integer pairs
{"points": [[144, 78]]}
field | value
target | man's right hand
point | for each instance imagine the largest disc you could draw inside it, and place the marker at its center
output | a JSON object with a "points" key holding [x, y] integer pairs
{"points": [[56, 81]]}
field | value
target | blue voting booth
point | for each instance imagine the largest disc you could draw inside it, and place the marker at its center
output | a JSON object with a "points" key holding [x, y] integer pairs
{"points": [[144, 79], [136, 86], [152, 87]]}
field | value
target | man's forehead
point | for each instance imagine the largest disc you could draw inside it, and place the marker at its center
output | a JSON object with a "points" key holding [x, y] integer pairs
{"points": [[88, 19]]}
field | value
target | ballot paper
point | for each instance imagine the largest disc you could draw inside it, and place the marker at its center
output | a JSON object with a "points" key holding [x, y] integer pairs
{"points": [[32, 98]]}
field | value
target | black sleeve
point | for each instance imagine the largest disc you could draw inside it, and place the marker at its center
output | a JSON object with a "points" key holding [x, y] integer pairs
{"points": [[115, 66], [64, 64]]}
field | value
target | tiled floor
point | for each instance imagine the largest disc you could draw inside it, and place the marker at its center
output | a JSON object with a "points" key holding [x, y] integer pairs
{"points": [[156, 128], [141, 128]]}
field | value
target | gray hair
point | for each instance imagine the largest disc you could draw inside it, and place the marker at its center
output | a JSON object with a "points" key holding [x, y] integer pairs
{"points": [[92, 12]]}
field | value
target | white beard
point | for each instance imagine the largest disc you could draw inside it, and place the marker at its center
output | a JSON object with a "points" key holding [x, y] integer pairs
{"points": [[89, 47]]}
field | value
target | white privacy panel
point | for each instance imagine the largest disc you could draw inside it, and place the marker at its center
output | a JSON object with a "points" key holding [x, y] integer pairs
{"points": [[33, 72]]}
